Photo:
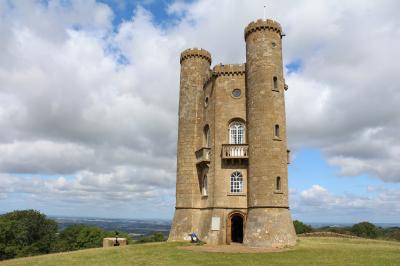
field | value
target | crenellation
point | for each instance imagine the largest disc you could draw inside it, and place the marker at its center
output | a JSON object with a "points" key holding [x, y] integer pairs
{"points": [[195, 53], [262, 24], [228, 70]]}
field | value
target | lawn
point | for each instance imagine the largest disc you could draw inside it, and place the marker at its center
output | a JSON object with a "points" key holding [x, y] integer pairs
{"points": [[309, 251]]}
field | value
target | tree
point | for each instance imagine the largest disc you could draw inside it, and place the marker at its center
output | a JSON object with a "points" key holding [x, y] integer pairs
{"points": [[26, 233], [301, 228], [365, 229], [81, 236]]}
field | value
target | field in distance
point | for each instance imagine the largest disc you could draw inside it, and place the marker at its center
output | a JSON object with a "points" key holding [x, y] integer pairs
{"points": [[309, 251]]}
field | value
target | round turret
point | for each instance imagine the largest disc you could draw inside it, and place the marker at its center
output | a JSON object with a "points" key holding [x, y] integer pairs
{"points": [[195, 70], [195, 52], [269, 222]]}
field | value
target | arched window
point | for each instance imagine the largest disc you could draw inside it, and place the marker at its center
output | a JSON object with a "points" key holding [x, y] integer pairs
{"points": [[236, 182], [277, 131], [278, 183], [236, 133], [204, 189], [275, 83], [206, 141]]}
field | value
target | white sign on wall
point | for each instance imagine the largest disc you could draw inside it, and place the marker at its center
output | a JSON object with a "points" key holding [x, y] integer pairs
{"points": [[215, 223]]}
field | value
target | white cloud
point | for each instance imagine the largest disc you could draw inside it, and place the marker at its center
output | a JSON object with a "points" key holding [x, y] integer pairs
{"points": [[318, 204]]}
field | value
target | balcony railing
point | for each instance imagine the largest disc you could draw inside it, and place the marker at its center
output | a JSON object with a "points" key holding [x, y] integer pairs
{"points": [[203, 155], [235, 151]]}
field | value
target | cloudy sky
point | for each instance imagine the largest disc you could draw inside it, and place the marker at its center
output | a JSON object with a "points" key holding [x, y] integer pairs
{"points": [[89, 99]]}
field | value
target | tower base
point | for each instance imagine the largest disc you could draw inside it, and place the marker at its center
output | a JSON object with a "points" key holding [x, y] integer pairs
{"points": [[269, 227], [187, 221], [181, 225]]}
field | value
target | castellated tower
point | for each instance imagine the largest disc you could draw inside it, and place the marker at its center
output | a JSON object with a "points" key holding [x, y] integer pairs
{"points": [[195, 70], [232, 178]]}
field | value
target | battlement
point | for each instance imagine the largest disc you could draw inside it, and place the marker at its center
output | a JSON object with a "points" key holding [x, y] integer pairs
{"points": [[262, 24], [195, 52], [230, 69]]}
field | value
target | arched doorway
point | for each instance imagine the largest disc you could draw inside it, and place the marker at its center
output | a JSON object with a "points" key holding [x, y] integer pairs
{"points": [[235, 227]]}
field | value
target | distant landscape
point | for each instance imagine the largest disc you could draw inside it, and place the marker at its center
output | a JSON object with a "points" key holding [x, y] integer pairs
{"points": [[134, 227], [145, 227]]}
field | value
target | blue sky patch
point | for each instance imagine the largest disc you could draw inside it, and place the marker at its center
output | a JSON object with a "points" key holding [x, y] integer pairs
{"points": [[124, 10], [294, 66]]}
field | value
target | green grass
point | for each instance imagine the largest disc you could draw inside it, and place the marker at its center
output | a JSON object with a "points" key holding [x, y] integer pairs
{"points": [[309, 251]]}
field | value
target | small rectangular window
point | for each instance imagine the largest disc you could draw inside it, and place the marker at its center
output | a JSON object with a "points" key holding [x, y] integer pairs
{"points": [[275, 83], [277, 131], [278, 183]]}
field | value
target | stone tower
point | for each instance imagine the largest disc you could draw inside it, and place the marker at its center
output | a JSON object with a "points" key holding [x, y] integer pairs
{"points": [[232, 178]]}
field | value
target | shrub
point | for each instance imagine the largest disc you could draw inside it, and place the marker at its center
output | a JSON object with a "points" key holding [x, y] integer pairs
{"points": [[338, 230], [26, 233], [156, 237], [394, 234], [365, 229], [301, 228]]}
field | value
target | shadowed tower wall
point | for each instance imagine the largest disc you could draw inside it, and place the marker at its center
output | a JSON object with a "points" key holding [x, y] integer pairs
{"points": [[195, 70]]}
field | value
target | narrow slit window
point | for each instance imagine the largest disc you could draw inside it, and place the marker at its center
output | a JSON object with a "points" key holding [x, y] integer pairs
{"points": [[205, 186], [278, 183], [275, 83], [277, 131], [206, 132]]}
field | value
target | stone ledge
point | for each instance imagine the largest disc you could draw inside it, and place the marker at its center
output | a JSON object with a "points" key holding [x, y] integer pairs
{"points": [[241, 194]]}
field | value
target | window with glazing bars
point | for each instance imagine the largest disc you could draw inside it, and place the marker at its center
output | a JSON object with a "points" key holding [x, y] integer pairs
{"points": [[236, 133], [236, 182]]}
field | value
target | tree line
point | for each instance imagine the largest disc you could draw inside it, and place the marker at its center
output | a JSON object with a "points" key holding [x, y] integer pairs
{"points": [[363, 229]]}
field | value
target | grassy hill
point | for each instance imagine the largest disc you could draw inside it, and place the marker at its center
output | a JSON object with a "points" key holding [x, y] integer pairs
{"points": [[309, 251]]}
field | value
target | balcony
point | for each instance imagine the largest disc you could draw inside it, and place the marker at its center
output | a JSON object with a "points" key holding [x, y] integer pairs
{"points": [[203, 155], [235, 151]]}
